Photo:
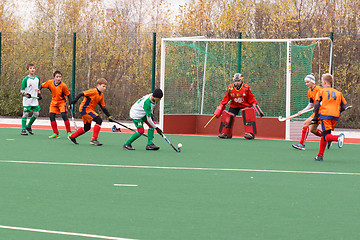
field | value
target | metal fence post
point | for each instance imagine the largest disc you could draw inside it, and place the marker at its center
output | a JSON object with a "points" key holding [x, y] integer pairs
{"points": [[239, 53], [73, 68]]}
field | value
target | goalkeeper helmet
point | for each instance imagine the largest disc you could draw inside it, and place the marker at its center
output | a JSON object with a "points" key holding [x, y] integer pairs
{"points": [[237, 76]]}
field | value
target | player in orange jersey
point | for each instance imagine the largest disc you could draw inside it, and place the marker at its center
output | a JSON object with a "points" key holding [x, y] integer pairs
{"points": [[92, 97], [329, 103], [313, 90], [59, 92], [241, 98]]}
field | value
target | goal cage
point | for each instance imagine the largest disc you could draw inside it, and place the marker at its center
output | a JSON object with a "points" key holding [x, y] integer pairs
{"points": [[195, 72]]}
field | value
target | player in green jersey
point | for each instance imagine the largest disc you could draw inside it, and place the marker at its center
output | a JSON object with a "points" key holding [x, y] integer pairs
{"points": [[141, 113], [31, 94]]}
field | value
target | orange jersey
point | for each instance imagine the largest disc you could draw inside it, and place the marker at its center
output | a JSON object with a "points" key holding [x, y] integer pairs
{"points": [[239, 98], [92, 97], [331, 102], [59, 92], [312, 93]]}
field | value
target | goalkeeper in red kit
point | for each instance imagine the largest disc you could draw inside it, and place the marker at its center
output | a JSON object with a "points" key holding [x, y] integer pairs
{"points": [[241, 98]]}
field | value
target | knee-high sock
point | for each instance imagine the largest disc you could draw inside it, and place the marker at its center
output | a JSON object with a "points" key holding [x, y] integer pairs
{"points": [[150, 136], [331, 138], [54, 127], [304, 134], [322, 147], [96, 131], [67, 126], [79, 132], [133, 137], [318, 132], [32, 120], [23, 123]]}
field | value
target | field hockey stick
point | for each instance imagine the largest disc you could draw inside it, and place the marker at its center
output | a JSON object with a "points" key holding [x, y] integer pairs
{"points": [[347, 108], [281, 119], [112, 120], [168, 141], [72, 118], [209, 121]]}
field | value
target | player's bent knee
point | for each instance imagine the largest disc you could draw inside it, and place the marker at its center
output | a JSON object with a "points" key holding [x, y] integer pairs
{"points": [[36, 114], [98, 120], [141, 130], [87, 127], [64, 116], [52, 117], [25, 114], [324, 133]]}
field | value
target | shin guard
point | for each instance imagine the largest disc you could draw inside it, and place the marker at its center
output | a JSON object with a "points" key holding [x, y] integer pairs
{"points": [[227, 122], [249, 118]]}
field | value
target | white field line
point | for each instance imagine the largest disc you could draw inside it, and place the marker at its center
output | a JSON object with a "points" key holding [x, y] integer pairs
{"points": [[183, 168], [125, 185], [63, 233]]}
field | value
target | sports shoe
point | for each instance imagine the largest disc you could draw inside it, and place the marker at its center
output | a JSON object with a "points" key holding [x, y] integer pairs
{"points": [[249, 136], [298, 146], [69, 134], [329, 144], [29, 130], [319, 158], [54, 135], [224, 136], [341, 140], [23, 132], [152, 147], [128, 147], [95, 142], [73, 140]]}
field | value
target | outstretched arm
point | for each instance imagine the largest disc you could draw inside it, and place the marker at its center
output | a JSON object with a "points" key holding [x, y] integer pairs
{"points": [[104, 109], [77, 98]]}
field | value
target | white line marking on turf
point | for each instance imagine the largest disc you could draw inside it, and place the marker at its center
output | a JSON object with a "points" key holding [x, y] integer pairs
{"points": [[184, 168], [125, 185], [63, 233], [9, 139]]}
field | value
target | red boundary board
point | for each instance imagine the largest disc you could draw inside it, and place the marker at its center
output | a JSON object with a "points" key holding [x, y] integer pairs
{"points": [[194, 124]]}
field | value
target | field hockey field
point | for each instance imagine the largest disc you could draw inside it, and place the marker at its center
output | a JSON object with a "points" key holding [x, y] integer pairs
{"points": [[213, 189]]}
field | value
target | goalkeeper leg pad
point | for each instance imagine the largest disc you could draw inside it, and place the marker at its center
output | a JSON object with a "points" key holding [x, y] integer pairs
{"points": [[249, 118], [227, 122]]}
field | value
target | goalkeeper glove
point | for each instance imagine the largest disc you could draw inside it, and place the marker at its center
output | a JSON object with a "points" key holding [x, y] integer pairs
{"points": [[219, 110], [28, 95], [258, 110]]}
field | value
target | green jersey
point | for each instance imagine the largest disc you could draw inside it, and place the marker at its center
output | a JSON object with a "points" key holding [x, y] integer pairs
{"points": [[29, 85], [144, 107]]}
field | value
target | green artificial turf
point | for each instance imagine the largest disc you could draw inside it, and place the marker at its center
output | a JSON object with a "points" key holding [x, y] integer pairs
{"points": [[213, 189]]}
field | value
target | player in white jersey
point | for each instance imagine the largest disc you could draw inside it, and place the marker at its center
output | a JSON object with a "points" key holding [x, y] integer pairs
{"points": [[30, 91], [141, 112]]}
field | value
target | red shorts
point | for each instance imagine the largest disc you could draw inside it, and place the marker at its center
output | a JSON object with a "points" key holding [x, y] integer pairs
{"points": [[89, 116], [327, 124], [58, 108]]}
